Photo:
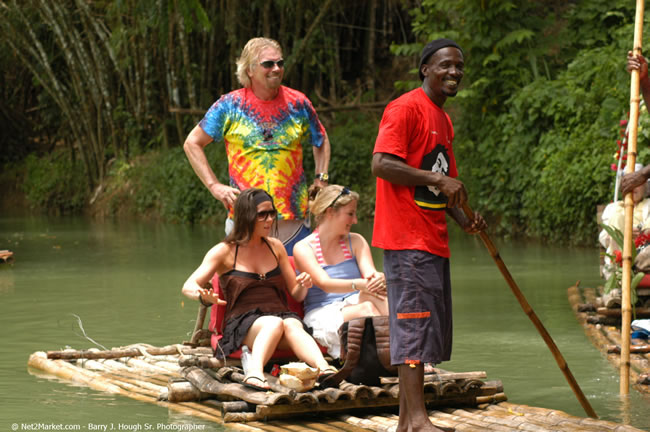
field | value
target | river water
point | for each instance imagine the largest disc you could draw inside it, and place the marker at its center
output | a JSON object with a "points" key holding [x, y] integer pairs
{"points": [[75, 281]]}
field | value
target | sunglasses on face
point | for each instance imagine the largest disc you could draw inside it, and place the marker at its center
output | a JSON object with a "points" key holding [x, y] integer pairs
{"points": [[344, 191], [265, 214], [268, 64]]}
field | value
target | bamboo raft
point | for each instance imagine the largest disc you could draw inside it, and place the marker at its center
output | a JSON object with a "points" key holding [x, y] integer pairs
{"points": [[603, 327], [190, 381]]}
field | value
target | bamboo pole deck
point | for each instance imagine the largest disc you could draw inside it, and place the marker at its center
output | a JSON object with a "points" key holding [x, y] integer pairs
{"points": [[463, 401], [607, 337]]}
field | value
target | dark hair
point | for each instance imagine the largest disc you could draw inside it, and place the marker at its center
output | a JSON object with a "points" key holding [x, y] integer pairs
{"points": [[246, 215]]}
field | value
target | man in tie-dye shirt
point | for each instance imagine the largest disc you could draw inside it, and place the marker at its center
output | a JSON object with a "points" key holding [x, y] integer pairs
{"points": [[263, 126]]}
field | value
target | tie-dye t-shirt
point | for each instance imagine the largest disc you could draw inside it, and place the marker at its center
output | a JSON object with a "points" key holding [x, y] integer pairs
{"points": [[264, 143]]}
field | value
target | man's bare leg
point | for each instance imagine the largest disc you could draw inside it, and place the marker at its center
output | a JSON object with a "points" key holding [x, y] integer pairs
{"points": [[413, 416]]}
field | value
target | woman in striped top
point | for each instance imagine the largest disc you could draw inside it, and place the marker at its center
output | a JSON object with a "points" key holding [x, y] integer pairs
{"points": [[346, 284]]}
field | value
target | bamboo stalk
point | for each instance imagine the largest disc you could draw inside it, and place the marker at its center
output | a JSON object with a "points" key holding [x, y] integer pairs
{"points": [[564, 367], [296, 56], [640, 312], [626, 307], [440, 377], [124, 352]]}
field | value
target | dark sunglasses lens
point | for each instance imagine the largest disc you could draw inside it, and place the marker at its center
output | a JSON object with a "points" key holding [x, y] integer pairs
{"points": [[264, 215], [269, 64]]}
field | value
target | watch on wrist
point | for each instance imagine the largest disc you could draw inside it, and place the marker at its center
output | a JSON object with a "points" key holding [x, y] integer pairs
{"points": [[322, 177]]}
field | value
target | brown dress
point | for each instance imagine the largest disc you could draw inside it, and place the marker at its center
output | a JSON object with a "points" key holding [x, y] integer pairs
{"points": [[250, 296]]}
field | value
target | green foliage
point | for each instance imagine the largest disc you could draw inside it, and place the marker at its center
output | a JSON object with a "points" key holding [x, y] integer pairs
{"points": [[537, 123], [167, 186], [55, 183], [352, 145]]}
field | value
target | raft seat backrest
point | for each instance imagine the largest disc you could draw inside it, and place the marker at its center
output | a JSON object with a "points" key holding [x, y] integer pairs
{"points": [[645, 282], [217, 313]]}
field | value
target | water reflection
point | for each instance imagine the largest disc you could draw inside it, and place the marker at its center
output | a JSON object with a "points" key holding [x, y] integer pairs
{"points": [[123, 280]]}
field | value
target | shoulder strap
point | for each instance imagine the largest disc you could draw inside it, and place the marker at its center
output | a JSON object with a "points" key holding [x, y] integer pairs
{"points": [[269, 245], [347, 252], [317, 249], [382, 339], [351, 334]]}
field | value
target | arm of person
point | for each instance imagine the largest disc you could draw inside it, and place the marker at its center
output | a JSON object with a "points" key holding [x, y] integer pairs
{"points": [[322, 160], [640, 63], [296, 285], [194, 147], [194, 286], [469, 226], [375, 281], [632, 180], [395, 170], [305, 260]]}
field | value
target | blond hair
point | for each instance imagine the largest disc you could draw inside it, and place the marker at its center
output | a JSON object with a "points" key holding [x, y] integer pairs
{"points": [[249, 57], [326, 197]]}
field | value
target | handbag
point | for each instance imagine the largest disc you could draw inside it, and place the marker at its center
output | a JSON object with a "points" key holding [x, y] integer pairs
{"points": [[365, 351]]}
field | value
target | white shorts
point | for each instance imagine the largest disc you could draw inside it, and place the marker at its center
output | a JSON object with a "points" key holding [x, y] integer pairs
{"points": [[325, 322]]}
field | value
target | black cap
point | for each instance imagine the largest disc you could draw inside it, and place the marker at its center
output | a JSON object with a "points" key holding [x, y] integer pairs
{"points": [[432, 47]]}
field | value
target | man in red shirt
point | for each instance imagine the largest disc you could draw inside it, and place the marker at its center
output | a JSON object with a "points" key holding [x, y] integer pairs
{"points": [[416, 187]]}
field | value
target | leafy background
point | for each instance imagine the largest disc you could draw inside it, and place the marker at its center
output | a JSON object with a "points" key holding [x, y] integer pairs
{"points": [[536, 121]]}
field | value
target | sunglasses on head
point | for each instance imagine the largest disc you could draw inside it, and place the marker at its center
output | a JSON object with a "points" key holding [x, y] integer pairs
{"points": [[265, 214], [344, 191], [268, 64]]}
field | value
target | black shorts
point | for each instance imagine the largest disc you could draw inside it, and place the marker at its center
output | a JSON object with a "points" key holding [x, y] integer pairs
{"points": [[419, 303]]}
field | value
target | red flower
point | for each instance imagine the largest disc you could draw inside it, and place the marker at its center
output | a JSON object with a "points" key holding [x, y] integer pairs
{"points": [[623, 123], [614, 167], [641, 240], [619, 256]]}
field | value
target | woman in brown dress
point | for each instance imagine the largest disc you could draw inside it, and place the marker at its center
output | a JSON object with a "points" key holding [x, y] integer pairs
{"points": [[255, 275]]}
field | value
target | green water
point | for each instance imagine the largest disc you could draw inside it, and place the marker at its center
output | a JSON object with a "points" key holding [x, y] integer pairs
{"points": [[123, 280]]}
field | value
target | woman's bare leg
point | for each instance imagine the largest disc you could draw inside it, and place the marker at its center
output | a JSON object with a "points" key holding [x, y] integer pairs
{"points": [[263, 338], [369, 305], [302, 344]]}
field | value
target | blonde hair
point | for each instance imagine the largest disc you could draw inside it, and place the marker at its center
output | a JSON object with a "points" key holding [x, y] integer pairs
{"points": [[326, 197], [250, 56]]}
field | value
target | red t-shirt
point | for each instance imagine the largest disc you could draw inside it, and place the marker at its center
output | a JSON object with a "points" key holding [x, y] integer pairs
{"points": [[413, 217]]}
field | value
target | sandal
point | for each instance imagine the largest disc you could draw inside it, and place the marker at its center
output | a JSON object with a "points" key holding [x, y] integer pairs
{"points": [[329, 370], [246, 383], [326, 373]]}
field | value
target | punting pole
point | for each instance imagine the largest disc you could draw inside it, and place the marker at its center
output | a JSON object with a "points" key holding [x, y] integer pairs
{"points": [[626, 308], [564, 367]]}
